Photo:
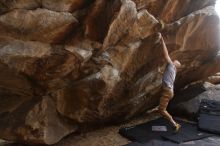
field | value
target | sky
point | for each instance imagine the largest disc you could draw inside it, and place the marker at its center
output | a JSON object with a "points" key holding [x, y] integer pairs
{"points": [[217, 7]]}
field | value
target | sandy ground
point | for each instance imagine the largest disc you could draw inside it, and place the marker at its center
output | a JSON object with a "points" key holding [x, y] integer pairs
{"points": [[107, 136], [104, 137]]}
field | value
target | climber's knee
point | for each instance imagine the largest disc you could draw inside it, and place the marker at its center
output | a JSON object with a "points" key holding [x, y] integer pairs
{"points": [[162, 111]]}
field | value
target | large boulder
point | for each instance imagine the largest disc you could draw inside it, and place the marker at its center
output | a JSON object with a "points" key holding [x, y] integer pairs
{"points": [[64, 5], [37, 25], [186, 103], [36, 122], [8, 5], [66, 64], [215, 79]]}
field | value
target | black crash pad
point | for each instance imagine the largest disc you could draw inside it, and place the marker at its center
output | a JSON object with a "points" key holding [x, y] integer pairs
{"points": [[210, 141], [188, 132], [209, 123], [153, 143], [209, 116], [143, 133], [211, 107]]}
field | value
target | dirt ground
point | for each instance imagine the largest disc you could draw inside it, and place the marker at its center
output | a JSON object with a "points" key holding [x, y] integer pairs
{"points": [[104, 137], [107, 136]]}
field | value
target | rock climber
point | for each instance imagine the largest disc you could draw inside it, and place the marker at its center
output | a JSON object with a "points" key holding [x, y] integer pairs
{"points": [[168, 79]]}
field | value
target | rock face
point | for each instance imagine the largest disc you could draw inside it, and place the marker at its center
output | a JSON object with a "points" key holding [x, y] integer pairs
{"points": [[215, 79], [77, 62], [186, 103]]}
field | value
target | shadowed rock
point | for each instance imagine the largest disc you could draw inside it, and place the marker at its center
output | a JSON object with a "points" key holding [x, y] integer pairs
{"points": [[191, 98]]}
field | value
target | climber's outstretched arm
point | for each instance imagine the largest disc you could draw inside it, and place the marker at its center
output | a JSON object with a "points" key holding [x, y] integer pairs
{"points": [[165, 51]]}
